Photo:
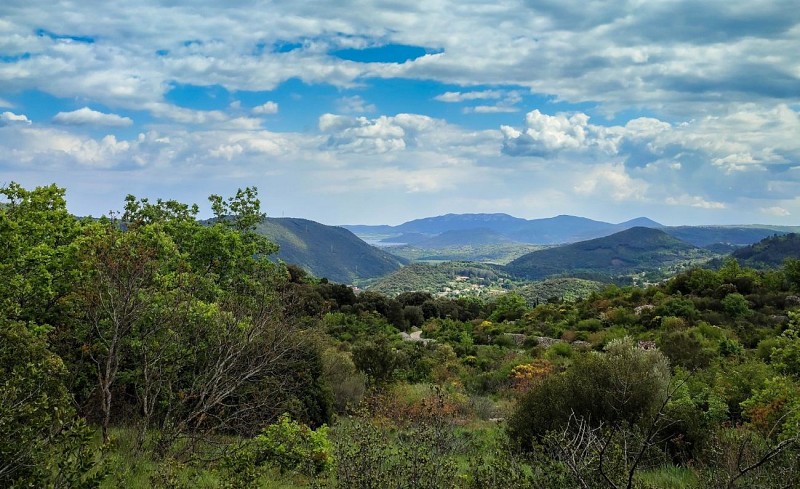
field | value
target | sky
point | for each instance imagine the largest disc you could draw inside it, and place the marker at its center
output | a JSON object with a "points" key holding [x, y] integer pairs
{"points": [[379, 112]]}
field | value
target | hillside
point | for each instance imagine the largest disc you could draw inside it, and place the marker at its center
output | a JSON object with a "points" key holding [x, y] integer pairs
{"points": [[730, 235], [769, 252], [498, 254], [327, 251], [562, 289], [632, 251], [444, 279], [473, 237]]}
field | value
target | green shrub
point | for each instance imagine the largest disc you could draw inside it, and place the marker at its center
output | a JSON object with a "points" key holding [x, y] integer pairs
{"points": [[624, 385]]}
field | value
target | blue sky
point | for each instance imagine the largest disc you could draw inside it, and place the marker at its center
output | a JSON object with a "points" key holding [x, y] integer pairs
{"points": [[378, 112]]}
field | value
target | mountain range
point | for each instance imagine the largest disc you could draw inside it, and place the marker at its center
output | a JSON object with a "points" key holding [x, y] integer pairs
{"points": [[497, 228], [589, 248], [469, 229]]}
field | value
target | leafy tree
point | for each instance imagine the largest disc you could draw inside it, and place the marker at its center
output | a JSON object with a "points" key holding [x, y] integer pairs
{"points": [[42, 442], [791, 268], [509, 307], [37, 233]]}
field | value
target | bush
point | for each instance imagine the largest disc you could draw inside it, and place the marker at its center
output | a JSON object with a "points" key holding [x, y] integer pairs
{"points": [[286, 444], [624, 385]]}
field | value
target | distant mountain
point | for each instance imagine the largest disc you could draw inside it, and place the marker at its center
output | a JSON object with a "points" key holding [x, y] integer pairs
{"points": [[502, 223], [327, 251], [639, 222], [552, 230], [406, 239], [706, 236], [634, 250], [464, 237], [557, 230], [769, 252], [562, 229]]}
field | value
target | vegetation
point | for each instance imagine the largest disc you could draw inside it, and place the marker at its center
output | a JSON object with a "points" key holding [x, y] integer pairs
{"points": [[499, 254], [620, 255], [445, 279], [327, 251], [149, 349], [770, 252]]}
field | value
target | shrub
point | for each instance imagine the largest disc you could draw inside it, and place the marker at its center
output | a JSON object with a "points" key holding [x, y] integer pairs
{"points": [[288, 445], [621, 386]]}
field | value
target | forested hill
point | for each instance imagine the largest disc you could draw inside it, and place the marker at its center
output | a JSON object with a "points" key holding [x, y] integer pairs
{"points": [[733, 235], [327, 251], [769, 252], [636, 249]]}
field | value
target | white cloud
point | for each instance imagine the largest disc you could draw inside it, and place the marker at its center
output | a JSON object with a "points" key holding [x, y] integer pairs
{"points": [[743, 50], [611, 181], [186, 116], [6, 104], [354, 105], [776, 211], [269, 107], [88, 117], [463, 96], [546, 135], [694, 201], [8, 118]]}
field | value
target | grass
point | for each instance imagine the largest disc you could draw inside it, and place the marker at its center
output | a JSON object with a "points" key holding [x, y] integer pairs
{"points": [[668, 477], [132, 468]]}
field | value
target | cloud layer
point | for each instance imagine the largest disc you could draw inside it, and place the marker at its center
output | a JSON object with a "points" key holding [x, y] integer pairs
{"points": [[683, 110]]}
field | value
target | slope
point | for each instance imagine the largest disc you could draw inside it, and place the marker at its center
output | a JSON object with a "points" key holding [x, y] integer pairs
{"points": [[769, 252], [631, 251], [327, 251]]}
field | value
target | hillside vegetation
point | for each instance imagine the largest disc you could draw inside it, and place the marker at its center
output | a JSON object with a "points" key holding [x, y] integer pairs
{"points": [[622, 254], [327, 251], [770, 252], [444, 279]]}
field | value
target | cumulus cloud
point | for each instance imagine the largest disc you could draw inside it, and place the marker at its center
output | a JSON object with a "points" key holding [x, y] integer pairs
{"points": [[611, 181], [9, 118], [742, 50], [776, 211], [547, 135], [742, 140], [694, 201], [354, 105], [380, 135], [269, 107], [88, 117]]}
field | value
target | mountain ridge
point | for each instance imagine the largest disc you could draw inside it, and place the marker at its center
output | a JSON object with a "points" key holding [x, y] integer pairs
{"points": [[630, 251]]}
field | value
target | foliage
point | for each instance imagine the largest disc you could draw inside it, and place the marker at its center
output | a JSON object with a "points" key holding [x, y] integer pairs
{"points": [[289, 445], [623, 385], [41, 441], [326, 251], [372, 456]]}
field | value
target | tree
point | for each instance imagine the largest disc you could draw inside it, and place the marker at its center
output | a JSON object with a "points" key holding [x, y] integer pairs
{"points": [[42, 442], [509, 307], [120, 270]]}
